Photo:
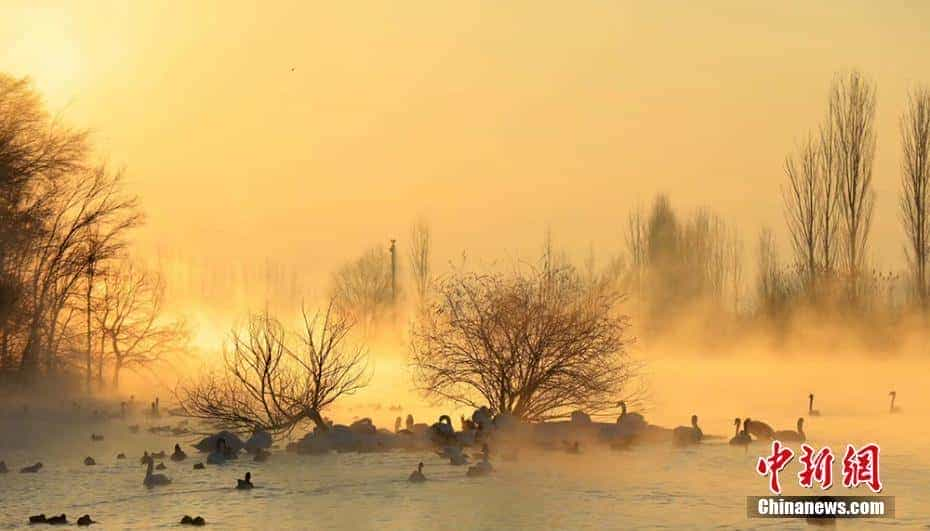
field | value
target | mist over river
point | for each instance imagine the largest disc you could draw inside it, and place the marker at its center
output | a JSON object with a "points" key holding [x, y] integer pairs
{"points": [[644, 488]]}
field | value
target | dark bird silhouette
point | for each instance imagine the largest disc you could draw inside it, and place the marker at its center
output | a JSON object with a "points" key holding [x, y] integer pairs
{"points": [[31, 469], [792, 436], [686, 435], [245, 484], [178, 454], [811, 412], [759, 429], [61, 519], [417, 475], [741, 438]]}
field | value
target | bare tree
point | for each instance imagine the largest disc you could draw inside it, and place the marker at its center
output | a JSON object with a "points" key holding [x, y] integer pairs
{"points": [[802, 197], [36, 153], [130, 317], [362, 288], [771, 284], [636, 238], [420, 253], [852, 117], [915, 183], [275, 379], [535, 345], [828, 200], [91, 214]]}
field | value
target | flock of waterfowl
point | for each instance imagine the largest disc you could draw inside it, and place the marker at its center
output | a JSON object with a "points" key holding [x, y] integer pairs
{"points": [[484, 428]]}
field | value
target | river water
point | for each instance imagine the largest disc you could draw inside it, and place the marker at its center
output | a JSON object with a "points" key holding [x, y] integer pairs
{"points": [[645, 488]]}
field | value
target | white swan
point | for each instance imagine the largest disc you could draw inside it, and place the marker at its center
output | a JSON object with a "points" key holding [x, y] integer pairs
{"points": [[633, 419], [483, 467], [811, 412], [627, 427], [685, 435], [417, 475], [154, 480], [759, 429], [218, 456], [792, 436], [443, 430], [741, 438]]}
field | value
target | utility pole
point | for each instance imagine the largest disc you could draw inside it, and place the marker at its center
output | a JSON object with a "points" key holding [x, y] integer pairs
{"points": [[91, 263], [393, 271]]}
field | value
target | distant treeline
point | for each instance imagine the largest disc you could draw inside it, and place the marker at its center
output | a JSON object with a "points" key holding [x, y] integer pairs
{"points": [[695, 270]]}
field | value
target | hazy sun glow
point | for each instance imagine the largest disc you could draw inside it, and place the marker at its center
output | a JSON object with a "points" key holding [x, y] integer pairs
{"points": [[44, 49]]}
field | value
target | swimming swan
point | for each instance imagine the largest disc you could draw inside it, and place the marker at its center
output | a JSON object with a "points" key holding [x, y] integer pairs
{"points": [[483, 467], [195, 521], [741, 438], [792, 436], [245, 484], [218, 456], [154, 480], [759, 429], [178, 454], [685, 435], [61, 519], [31, 469], [811, 412], [634, 419], [417, 475]]}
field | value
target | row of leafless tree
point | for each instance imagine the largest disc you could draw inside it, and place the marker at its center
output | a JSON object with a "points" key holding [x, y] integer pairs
{"points": [[829, 198], [68, 301], [536, 343]]}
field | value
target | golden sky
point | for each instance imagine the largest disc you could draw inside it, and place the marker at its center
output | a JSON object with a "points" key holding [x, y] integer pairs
{"points": [[306, 131]]}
